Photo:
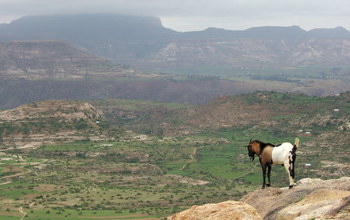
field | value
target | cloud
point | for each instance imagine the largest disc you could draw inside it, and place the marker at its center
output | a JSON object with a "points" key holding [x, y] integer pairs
{"points": [[197, 14]]}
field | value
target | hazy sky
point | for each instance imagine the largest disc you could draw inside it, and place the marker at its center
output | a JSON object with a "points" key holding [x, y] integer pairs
{"points": [[185, 15]]}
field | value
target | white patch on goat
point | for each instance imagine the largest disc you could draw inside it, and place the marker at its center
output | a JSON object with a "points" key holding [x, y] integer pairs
{"points": [[281, 153]]}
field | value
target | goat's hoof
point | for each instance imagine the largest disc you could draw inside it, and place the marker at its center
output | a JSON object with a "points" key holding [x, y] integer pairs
{"points": [[268, 185], [291, 186], [263, 187]]}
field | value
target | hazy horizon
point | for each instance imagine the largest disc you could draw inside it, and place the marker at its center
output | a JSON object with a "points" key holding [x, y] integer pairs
{"points": [[166, 25], [197, 15]]}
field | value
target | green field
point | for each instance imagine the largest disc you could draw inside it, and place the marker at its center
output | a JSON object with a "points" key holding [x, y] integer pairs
{"points": [[136, 179]]}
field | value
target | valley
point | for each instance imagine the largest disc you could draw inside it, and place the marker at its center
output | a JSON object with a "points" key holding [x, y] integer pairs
{"points": [[153, 159]]}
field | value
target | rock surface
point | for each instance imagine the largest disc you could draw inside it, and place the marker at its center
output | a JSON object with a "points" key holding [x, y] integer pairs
{"points": [[310, 198], [229, 210]]}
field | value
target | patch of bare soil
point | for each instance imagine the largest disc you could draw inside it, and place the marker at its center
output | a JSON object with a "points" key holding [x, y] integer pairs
{"points": [[188, 180], [45, 187]]}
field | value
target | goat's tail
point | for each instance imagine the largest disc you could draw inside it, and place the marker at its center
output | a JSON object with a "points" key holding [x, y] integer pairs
{"points": [[296, 143]]}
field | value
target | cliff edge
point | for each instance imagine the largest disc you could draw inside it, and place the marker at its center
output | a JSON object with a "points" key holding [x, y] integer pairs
{"points": [[309, 199]]}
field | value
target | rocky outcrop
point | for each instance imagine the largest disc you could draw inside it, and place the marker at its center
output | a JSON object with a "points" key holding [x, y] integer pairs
{"points": [[67, 110], [229, 210], [309, 199], [49, 121]]}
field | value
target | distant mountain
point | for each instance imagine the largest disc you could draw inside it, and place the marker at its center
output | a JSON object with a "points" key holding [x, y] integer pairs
{"points": [[44, 69], [338, 32], [38, 61], [266, 32], [75, 28], [143, 41], [123, 38]]}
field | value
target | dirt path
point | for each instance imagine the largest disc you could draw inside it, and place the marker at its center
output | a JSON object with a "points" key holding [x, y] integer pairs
{"points": [[5, 183], [15, 175], [193, 159], [29, 145], [245, 174], [20, 209]]}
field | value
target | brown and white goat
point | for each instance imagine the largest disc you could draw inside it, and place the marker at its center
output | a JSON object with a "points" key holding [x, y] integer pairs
{"points": [[270, 154]]}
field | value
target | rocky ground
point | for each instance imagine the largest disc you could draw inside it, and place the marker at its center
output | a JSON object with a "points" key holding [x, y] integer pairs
{"points": [[309, 199]]}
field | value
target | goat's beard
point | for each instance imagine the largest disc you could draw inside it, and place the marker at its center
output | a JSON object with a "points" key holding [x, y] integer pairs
{"points": [[251, 155]]}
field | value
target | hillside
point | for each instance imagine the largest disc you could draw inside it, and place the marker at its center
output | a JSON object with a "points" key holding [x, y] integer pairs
{"points": [[152, 87], [37, 60], [261, 109], [252, 53], [48, 122]]}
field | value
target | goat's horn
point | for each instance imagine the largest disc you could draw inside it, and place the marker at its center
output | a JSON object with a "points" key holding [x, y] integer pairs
{"points": [[250, 140]]}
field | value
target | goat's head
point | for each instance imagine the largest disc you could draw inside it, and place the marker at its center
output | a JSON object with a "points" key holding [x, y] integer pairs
{"points": [[254, 147], [251, 152]]}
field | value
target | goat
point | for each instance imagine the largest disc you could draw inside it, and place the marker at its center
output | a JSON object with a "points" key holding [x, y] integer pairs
{"points": [[269, 154]]}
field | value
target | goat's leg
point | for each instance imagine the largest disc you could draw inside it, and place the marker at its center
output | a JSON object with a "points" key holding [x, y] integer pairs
{"points": [[288, 164], [292, 159], [263, 166], [268, 175]]}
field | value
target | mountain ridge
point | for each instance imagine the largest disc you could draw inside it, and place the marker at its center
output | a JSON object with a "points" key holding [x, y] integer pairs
{"points": [[140, 40], [169, 60], [131, 23]]}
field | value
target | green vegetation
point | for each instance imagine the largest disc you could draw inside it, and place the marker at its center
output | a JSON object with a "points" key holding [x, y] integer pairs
{"points": [[127, 178], [136, 176]]}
